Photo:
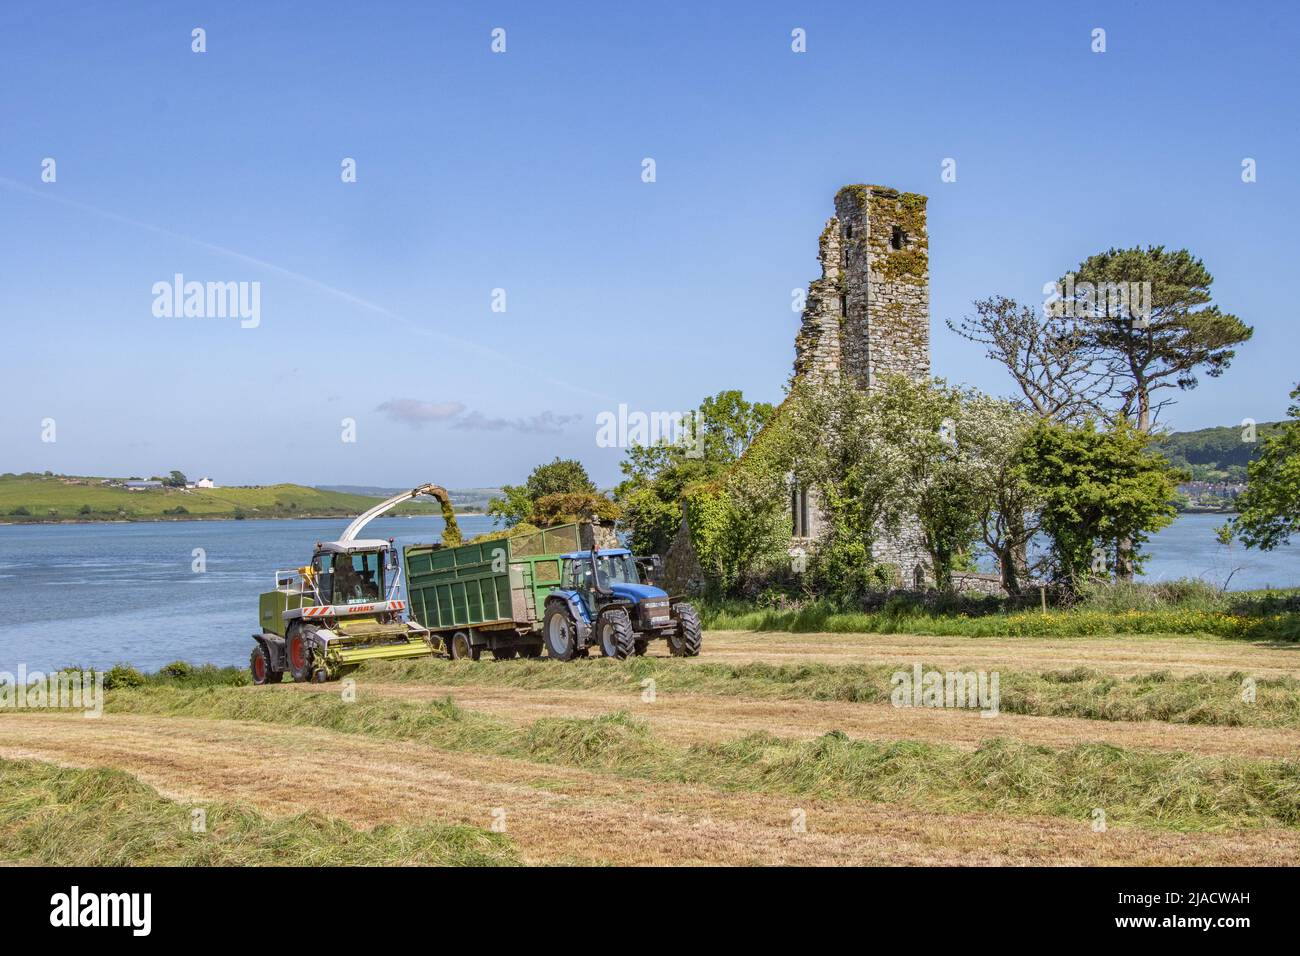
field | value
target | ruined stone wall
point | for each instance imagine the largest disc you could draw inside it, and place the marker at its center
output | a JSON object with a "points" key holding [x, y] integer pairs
{"points": [[817, 345], [868, 318], [886, 284]]}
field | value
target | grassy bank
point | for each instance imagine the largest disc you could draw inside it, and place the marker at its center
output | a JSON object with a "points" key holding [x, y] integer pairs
{"points": [[1166, 790], [44, 498], [54, 816]]}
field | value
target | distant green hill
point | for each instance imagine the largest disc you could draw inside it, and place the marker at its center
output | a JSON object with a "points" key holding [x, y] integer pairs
{"points": [[33, 497], [474, 499], [1214, 454]]}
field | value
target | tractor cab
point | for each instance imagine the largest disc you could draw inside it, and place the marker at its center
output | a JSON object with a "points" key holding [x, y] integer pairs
{"points": [[601, 600], [359, 572], [611, 577]]}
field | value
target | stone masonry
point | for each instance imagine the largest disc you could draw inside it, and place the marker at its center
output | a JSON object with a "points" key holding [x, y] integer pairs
{"points": [[868, 316]]}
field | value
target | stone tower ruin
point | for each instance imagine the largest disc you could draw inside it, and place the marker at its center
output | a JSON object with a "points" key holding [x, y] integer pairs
{"points": [[868, 317], [866, 320]]}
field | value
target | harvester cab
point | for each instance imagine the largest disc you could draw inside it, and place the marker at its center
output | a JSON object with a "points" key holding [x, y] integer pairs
{"points": [[602, 601], [344, 607]]}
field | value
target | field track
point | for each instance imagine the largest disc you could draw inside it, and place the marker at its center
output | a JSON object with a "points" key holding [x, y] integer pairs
{"points": [[1130, 654], [557, 813]]}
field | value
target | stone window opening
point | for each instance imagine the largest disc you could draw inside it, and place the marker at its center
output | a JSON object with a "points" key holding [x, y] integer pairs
{"points": [[848, 230], [898, 239], [799, 512], [844, 305]]}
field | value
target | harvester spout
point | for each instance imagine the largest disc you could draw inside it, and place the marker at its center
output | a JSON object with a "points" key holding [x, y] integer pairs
{"points": [[450, 536]]}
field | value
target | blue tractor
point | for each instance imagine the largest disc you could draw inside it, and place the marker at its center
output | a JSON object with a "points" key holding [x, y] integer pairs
{"points": [[601, 602]]}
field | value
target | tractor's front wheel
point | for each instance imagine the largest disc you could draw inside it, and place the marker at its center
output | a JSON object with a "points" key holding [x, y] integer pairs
{"points": [[301, 654], [685, 641], [616, 638], [260, 665], [560, 632], [462, 648]]}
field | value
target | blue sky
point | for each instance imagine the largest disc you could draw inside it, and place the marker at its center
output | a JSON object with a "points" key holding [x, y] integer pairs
{"points": [[522, 171]]}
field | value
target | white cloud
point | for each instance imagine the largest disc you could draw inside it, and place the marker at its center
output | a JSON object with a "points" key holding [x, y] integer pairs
{"points": [[417, 413]]}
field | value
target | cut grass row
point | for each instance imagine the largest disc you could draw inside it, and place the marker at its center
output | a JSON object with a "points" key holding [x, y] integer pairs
{"points": [[56, 816], [1164, 790], [1079, 692]]}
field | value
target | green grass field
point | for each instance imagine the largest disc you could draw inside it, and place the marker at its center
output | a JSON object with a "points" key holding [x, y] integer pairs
{"points": [[56, 816], [69, 498]]}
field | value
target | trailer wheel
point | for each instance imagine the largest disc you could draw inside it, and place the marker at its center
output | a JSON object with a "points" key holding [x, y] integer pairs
{"points": [[260, 665], [685, 641], [462, 648], [505, 653], [640, 647], [301, 656], [615, 632], [531, 650], [560, 632]]}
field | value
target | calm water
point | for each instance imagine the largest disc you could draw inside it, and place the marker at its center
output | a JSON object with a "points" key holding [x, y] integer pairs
{"points": [[98, 594]]}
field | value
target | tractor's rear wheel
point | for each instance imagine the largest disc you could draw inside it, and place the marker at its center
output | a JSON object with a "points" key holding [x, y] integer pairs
{"points": [[615, 632], [301, 654], [260, 665], [685, 641], [560, 632], [462, 648]]}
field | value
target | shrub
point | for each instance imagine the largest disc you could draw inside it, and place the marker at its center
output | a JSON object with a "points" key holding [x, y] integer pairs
{"points": [[122, 676]]}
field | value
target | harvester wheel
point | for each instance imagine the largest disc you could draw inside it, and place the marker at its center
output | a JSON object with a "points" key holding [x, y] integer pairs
{"points": [[615, 630], [685, 641], [560, 632], [505, 653], [462, 648], [260, 665], [301, 654]]}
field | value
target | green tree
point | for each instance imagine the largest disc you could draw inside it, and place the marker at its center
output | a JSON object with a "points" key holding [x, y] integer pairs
{"points": [[992, 434], [656, 477], [176, 479], [1098, 488], [913, 455], [1151, 340], [1269, 509], [1156, 342], [559, 477]]}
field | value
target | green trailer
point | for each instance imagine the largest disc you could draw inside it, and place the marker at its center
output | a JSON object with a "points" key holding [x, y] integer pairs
{"points": [[489, 594], [549, 589]]}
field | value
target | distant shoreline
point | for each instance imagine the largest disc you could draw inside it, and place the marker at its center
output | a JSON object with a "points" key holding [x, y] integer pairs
{"points": [[8, 522]]}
